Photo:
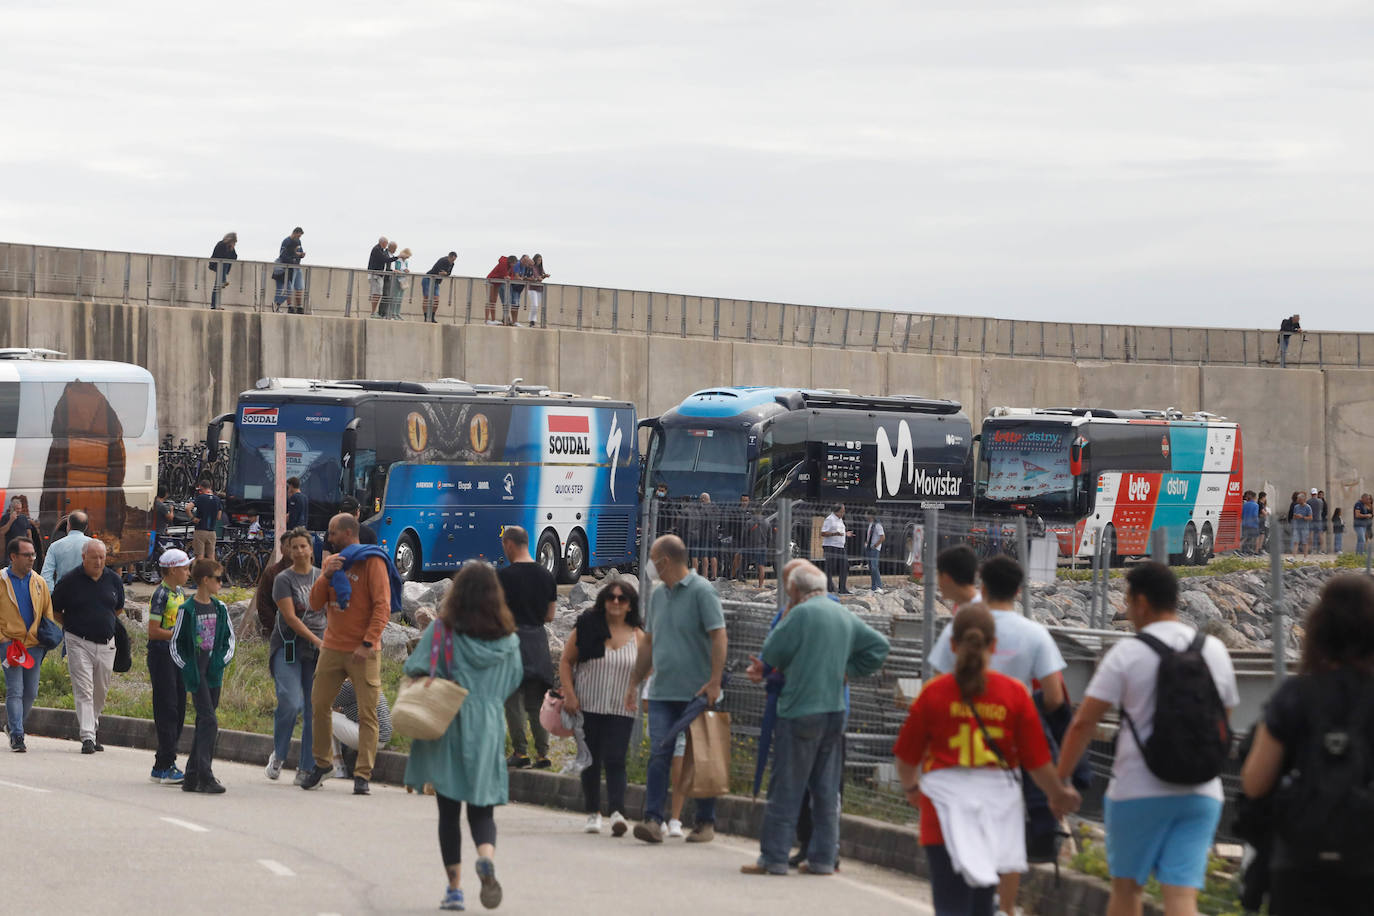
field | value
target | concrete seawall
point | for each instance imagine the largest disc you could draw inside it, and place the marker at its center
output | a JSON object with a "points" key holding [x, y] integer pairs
{"points": [[1301, 427]]}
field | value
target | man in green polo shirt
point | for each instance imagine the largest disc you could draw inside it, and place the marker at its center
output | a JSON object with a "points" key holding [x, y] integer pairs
{"points": [[816, 646], [685, 646]]}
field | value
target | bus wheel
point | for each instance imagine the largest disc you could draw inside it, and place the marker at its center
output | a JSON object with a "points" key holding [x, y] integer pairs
{"points": [[1190, 552], [575, 563], [547, 555], [1205, 545], [408, 558]]}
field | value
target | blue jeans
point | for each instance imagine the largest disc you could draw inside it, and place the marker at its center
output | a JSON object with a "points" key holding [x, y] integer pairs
{"points": [[293, 697], [1361, 532], [21, 688], [807, 754], [662, 715], [875, 575], [221, 280]]}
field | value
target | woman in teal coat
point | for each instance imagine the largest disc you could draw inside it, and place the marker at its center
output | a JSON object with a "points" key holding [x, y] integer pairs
{"points": [[479, 650]]}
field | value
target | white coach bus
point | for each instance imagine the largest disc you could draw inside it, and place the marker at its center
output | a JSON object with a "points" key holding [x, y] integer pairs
{"points": [[79, 434]]}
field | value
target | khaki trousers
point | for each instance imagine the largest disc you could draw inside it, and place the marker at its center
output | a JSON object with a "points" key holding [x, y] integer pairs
{"points": [[90, 665], [332, 669]]}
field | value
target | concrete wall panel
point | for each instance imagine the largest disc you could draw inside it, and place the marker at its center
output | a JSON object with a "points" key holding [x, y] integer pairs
{"points": [[496, 356], [678, 367], [1138, 385], [764, 364], [603, 364], [859, 371], [1350, 439], [954, 377], [1026, 383], [1283, 424]]}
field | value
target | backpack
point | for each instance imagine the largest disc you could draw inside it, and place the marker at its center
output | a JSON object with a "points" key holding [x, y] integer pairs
{"points": [[1191, 738], [1324, 805]]}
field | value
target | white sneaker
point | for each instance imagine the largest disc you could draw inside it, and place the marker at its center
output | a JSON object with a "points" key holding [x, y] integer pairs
{"points": [[273, 766], [675, 828], [593, 824], [618, 824]]}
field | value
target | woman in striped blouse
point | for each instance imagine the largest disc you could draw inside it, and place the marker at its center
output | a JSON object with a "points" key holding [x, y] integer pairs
{"points": [[595, 671]]}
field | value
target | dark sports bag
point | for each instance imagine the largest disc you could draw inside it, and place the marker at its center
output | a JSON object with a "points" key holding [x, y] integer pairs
{"points": [[1191, 738], [1324, 805]]}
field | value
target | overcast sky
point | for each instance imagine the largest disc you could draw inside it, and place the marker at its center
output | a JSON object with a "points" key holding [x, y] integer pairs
{"points": [[1202, 162]]}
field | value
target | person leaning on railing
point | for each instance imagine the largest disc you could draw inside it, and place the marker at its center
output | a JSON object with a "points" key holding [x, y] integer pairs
{"points": [[224, 252]]}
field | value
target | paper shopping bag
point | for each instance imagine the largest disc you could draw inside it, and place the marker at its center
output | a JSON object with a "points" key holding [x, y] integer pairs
{"points": [[706, 767]]}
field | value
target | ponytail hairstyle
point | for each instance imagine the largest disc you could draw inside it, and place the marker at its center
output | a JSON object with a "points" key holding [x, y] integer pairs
{"points": [[974, 632]]}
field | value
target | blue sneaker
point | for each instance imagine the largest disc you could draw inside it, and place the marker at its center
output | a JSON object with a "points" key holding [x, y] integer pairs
{"points": [[453, 897], [490, 894], [157, 776], [172, 776]]}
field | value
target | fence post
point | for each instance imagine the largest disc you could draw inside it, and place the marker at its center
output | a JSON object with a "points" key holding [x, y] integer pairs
{"points": [[1159, 546], [782, 321], [956, 335], [128, 272], [33, 271], [1023, 550], [1096, 564], [348, 296], [579, 308], [648, 520], [1278, 634], [932, 522], [906, 338], [715, 332], [784, 524]]}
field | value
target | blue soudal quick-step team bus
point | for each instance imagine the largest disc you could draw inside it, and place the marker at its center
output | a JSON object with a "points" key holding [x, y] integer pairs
{"points": [[892, 454], [440, 468]]}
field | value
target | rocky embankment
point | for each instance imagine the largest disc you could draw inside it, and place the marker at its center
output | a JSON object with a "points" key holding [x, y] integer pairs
{"points": [[1235, 607]]}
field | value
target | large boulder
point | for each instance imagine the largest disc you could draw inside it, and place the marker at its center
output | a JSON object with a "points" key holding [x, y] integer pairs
{"points": [[397, 641]]}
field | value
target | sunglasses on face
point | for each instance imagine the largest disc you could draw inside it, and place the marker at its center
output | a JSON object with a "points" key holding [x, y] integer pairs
{"points": [[618, 598]]}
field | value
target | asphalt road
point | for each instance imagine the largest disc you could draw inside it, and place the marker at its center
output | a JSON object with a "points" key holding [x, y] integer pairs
{"points": [[90, 834]]}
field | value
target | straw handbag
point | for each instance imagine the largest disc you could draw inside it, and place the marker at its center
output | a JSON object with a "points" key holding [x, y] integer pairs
{"points": [[426, 705]]}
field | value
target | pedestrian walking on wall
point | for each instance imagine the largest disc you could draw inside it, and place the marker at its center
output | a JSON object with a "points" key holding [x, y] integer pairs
{"points": [[288, 274], [221, 262], [378, 260], [429, 285], [479, 650], [1287, 328], [534, 292]]}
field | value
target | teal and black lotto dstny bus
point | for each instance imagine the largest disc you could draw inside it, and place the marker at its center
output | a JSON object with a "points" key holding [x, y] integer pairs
{"points": [[440, 468]]}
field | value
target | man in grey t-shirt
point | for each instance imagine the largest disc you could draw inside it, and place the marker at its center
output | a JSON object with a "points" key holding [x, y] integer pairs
{"points": [[294, 648]]}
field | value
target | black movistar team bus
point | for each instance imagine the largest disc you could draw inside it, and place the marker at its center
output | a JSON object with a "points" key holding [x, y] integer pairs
{"points": [[895, 454]]}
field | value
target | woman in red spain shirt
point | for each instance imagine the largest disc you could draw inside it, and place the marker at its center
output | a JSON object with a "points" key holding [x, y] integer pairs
{"points": [[958, 756]]}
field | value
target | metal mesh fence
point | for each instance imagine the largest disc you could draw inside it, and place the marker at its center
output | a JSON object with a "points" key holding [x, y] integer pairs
{"points": [[1231, 582]]}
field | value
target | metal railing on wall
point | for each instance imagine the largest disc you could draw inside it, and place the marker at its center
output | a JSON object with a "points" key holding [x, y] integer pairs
{"points": [[35, 271]]}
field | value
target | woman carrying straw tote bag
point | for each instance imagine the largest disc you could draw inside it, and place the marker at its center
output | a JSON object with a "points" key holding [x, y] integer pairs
{"points": [[467, 762], [426, 705]]}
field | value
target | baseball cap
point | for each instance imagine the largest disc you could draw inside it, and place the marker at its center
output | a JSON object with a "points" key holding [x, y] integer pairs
{"points": [[18, 656], [1313, 491], [173, 558]]}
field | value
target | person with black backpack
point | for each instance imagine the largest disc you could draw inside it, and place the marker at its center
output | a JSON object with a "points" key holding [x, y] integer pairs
{"points": [[1313, 757], [1175, 688]]}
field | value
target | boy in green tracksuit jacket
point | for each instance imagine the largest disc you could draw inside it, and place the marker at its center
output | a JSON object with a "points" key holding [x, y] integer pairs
{"points": [[202, 647]]}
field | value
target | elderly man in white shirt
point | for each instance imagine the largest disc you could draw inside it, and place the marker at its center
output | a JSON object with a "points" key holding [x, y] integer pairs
{"points": [[833, 535], [65, 555]]}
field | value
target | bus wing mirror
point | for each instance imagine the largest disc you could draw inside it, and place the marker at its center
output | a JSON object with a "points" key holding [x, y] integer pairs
{"points": [[213, 431], [1077, 452], [347, 450]]}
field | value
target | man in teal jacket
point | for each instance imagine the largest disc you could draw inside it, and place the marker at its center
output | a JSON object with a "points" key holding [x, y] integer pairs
{"points": [[817, 646]]}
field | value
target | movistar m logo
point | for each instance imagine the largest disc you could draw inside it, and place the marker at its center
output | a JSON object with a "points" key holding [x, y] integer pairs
{"points": [[896, 464]]}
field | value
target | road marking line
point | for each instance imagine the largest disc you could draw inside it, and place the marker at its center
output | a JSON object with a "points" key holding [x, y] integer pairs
{"points": [[15, 785], [194, 828], [924, 909], [276, 868]]}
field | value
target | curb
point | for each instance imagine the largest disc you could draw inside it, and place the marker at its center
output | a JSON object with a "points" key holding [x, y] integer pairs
{"points": [[861, 838]]}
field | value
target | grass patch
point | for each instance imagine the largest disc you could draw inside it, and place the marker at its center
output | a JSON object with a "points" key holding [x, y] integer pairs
{"points": [[247, 701]]}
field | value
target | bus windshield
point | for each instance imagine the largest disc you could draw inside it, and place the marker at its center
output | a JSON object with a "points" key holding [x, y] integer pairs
{"points": [[694, 461], [1029, 466], [311, 455]]}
